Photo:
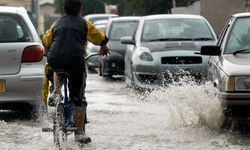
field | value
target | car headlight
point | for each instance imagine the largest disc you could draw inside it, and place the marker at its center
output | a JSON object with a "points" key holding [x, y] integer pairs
{"points": [[242, 83], [144, 54], [229, 84]]}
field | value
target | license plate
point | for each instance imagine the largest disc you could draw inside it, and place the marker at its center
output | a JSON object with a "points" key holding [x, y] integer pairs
{"points": [[2, 86]]}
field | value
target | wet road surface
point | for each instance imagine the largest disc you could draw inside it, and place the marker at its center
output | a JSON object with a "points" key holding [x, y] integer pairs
{"points": [[184, 117]]}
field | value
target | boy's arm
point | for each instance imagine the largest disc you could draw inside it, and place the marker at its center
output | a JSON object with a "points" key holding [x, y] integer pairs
{"points": [[96, 36], [48, 37]]}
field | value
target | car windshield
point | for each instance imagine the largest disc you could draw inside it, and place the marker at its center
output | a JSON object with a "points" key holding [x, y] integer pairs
{"points": [[176, 29], [122, 28], [239, 37], [13, 29]]}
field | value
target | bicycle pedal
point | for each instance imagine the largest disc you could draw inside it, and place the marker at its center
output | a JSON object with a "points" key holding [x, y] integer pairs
{"points": [[47, 130]]}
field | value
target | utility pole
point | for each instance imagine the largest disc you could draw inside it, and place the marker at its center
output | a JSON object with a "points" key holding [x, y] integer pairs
{"points": [[247, 5], [174, 3], [34, 10]]}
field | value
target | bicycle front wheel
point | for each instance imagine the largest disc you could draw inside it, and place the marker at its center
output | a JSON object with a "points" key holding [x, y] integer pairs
{"points": [[58, 126]]}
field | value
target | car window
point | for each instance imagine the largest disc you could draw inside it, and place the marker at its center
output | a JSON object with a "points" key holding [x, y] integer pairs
{"points": [[123, 28], [13, 29], [176, 28], [239, 37]]}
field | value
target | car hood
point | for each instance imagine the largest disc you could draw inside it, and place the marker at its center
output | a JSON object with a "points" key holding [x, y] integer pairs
{"points": [[175, 45], [234, 65]]}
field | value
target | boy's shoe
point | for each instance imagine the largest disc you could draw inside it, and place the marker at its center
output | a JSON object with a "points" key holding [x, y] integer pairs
{"points": [[82, 138]]}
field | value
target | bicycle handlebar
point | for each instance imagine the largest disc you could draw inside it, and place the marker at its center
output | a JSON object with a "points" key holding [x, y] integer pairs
{"points": [[91, 55]]}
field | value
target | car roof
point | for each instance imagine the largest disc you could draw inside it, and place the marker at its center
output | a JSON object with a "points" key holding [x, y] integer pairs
{"points": [[99, 15], [170, 16], [15, 10], [126, 18], [100, 22], [247, 14]]}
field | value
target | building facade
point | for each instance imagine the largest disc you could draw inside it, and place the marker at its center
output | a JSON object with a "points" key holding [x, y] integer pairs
{"points": [[17, 3], [216, 12]]}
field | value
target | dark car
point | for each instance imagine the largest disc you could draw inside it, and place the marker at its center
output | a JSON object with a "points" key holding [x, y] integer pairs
{"points": [[115, 30]]}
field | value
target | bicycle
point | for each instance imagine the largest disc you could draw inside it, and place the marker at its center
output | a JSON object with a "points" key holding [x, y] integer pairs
{"points": [[62, 113]]}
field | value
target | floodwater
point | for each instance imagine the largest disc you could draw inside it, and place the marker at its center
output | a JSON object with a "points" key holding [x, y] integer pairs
{"points": [[186, 117]]}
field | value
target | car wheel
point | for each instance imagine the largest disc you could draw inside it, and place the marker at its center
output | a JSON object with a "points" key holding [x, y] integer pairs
{"points": [[28, 111]]}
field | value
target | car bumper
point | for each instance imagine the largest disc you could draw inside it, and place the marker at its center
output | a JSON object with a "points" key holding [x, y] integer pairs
{"points": [[231, 99], [153, 77], [24, 87]]}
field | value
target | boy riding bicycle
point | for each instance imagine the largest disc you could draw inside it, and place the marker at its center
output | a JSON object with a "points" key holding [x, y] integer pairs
{"points": [[65, 43]]}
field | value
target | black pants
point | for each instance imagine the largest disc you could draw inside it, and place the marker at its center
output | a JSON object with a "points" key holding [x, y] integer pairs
{"points": [[76, 84]]}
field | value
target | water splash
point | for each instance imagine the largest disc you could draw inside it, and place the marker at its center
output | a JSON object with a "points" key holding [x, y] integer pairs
{"points": [[187, 103]]}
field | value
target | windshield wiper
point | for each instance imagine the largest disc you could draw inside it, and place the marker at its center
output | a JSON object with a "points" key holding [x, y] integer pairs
{"points": [[171, 39], [202, 39], [240, 51]]}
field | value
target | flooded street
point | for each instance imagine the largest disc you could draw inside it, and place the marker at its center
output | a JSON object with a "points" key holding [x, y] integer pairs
{"points": [[184, 117]]}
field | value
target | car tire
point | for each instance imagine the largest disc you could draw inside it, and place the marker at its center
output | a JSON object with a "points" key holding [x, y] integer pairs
{"points": [[28, 111]]}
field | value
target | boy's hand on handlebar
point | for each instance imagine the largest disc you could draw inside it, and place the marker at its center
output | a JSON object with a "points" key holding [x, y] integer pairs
{"points": [[104, 50]]}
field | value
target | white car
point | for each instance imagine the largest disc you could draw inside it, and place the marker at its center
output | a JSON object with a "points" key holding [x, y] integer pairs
{"points": [[229, 64], [165, 46], [96, 17], [21, 61]]}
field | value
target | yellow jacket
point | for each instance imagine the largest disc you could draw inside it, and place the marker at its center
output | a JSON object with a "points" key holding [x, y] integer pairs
{"points": [[94, 35]]}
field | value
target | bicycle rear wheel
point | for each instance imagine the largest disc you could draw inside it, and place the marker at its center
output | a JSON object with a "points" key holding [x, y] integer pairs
{"points": [[59, 132]]}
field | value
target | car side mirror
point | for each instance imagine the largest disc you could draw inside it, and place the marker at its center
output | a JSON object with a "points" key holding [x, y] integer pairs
{"points": [[128, 40], [211, 50]]}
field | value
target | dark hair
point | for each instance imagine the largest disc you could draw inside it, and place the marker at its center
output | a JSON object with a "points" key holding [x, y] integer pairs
{"points": [[72, 7]]}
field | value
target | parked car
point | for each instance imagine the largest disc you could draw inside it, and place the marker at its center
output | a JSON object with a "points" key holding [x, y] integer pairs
{"points": [[93, 62], [228, 66], [115, 30], [166, 46], [21, 60], [96, 17]]}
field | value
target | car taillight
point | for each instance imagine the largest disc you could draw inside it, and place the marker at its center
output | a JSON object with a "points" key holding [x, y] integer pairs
{"points": [[33, 53]]}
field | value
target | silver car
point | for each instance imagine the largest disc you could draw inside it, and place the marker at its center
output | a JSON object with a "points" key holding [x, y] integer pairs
{"points": [[21, 60], [166, 46], [229, 64]]}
